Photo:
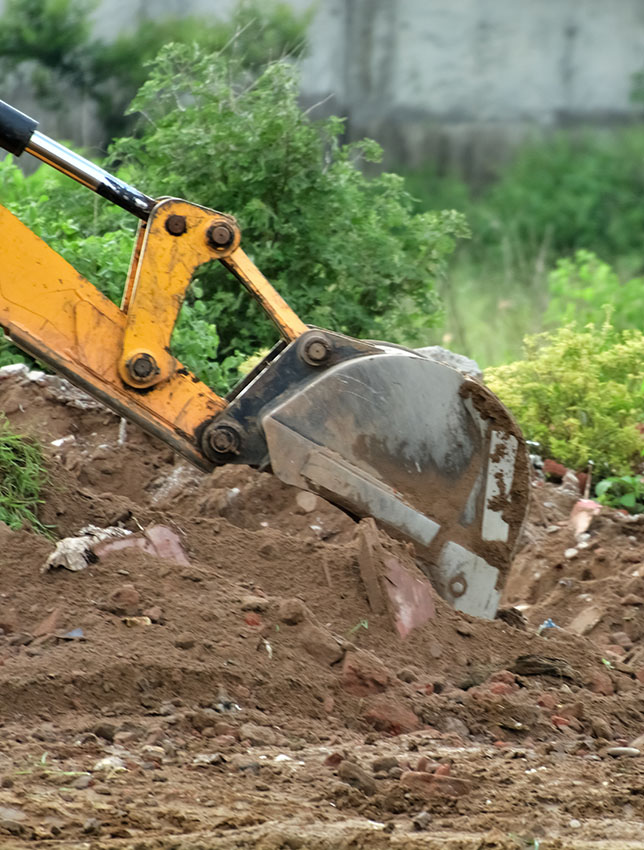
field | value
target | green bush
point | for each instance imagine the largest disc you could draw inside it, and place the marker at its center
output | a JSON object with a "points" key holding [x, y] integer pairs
{"points": [[583, 288], [580, 394]]}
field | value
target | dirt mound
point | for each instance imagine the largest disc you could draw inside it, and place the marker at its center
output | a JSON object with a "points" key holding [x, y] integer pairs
{"points": [[260, 658]]}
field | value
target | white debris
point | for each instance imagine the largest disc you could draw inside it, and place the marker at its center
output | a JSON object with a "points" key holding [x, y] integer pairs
{"points": [[122, 432], [571, 553], [109, 764], [207, 759], [232, 494], [13, 369], [75, 553], [61, 441]]}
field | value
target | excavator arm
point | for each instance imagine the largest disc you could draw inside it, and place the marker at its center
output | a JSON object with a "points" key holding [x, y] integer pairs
{"points": [[377, 429]]}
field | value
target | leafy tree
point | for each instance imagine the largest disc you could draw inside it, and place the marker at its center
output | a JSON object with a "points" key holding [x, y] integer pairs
{"points": [[54, 38], [348, 252]]}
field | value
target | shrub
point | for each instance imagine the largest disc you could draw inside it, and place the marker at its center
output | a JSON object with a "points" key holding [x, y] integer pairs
{"points": [[624, 492], [580, 394], [583, 288]]}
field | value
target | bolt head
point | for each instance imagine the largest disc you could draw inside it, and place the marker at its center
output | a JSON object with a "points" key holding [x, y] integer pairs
{"points": [[176, 225], [458, 585], [220, 235], [223, 439], [315, 350], [142, 366]]}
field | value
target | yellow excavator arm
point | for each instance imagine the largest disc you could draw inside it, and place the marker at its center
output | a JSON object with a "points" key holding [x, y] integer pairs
{"points": [[377, 429]]}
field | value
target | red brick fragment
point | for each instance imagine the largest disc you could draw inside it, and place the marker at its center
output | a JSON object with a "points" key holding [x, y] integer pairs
{"points": [[389, 716], [433, 785], [364, 674]]}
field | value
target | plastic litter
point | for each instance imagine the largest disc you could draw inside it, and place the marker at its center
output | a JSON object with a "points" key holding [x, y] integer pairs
{"points": [[547, 624]]}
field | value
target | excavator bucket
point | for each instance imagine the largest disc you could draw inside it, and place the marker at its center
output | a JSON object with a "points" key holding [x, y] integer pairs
{"points": [[430, 454]]}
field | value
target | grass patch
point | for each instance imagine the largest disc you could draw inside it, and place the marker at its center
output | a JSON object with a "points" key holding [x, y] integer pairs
{"points": [[22, 476]]}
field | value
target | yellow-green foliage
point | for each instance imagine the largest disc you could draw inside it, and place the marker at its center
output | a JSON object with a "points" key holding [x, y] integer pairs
{"points": [[579, 393]]}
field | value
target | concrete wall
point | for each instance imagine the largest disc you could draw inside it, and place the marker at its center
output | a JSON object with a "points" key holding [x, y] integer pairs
{"points": [[465, 79], [460, 81]]}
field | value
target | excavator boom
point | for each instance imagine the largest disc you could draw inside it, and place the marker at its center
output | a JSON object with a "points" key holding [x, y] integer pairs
{"points": [[379, 430]]}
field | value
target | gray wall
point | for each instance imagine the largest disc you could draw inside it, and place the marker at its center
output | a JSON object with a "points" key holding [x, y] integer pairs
{"points": [[460, 81], [463, 80]]}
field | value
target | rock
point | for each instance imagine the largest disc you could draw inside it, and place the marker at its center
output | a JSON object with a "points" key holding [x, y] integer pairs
{"points": [[208, 759], [430, 785], [124, 601], [8, 620], [185, 642], [619, 752], [293, 611], [574, 823], [254, 603], [243, 763], [456, 725], [601, 728], [306, 501], [422, 821], [333, 760], [501, 688], [601, 683], [49, 625], [92, 826], [105, 730], [450, 358], [548, 701], [83, 781], [152, 752], [387, 715], [407, 675], [621, 639], [586, 620], [155, 614], [632, 599], [320, 644], [223, 728], [354, 775], [259, 736], [364, 673], [638, 742], [109, 764], [384, 764]]}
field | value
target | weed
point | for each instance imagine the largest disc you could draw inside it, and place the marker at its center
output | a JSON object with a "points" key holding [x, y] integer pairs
{"points": [[624, 491], [22, 476]]}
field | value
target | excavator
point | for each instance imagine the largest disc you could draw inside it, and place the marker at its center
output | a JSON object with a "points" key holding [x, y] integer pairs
{"points": [[379, 430]]}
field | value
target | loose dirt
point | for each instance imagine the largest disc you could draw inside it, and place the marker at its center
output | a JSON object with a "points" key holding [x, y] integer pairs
{"points": [[247, 695]]}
